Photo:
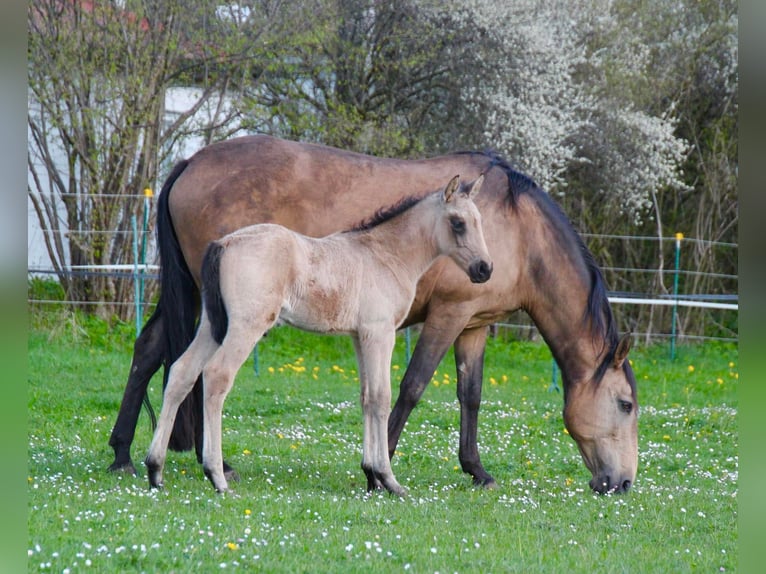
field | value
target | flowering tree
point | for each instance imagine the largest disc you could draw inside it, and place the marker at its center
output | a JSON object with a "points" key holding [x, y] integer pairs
{"points": [[98, 77]]}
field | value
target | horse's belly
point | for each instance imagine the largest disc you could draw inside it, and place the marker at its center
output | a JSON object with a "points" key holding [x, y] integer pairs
{"points": [[323, 314]]}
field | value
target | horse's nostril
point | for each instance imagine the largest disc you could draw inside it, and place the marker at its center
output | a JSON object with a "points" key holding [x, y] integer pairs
{"points": [[626, 485]]}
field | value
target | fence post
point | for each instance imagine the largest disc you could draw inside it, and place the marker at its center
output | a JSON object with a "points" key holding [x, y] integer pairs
{"points": [[135, 273], [148, 194], [679, 237]]}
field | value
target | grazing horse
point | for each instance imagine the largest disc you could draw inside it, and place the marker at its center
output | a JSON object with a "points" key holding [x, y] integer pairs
{"points": [[360, 283], [540, 265]]}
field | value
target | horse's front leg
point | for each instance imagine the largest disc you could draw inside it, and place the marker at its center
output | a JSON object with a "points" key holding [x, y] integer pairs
{"points": [[469, 359], [439, 332], [147, 359], [374, 348]]}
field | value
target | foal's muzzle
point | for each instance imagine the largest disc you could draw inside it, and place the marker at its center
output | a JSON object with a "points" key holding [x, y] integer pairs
{"points": [[480, 271]]}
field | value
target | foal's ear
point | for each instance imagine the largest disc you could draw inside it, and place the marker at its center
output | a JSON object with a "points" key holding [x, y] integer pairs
{"points": [[621, 353], [476, 186], [452, 186]]}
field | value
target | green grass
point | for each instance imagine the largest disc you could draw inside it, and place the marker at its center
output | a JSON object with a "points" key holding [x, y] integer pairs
{"points": [[294, 435]]}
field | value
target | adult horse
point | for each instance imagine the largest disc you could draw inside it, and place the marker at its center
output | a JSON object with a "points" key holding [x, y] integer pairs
{"points": [[359, 282], [541, 266]]}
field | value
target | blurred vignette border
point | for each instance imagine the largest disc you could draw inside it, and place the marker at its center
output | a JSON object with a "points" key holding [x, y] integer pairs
{"points": [[752, 271], [13, 329]]}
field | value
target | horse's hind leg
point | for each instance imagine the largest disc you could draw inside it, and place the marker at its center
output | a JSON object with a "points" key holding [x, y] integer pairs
{"points": [[218, 378], [469, 358], [183, 374], [147, 359]]}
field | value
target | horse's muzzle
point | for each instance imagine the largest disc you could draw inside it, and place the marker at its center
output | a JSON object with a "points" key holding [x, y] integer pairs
{"points": [[480, 271], [604, 485]]}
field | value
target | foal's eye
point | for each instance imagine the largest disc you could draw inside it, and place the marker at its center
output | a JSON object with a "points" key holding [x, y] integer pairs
{"points": [[625, 406], [458, 225]]}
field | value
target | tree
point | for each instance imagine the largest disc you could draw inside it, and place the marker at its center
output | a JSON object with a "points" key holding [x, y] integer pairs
{"points": [[368, 75], [98, 76]]}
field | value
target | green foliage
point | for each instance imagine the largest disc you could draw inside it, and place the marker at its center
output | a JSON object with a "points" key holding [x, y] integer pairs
{"points": [[294, 434]]}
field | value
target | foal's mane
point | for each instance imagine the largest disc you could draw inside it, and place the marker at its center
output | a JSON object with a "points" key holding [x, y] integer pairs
{"points": [[597, 314], [386, 213]]}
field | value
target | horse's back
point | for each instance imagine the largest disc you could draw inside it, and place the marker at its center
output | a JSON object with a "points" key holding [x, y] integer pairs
{"points": [[313, 189]]}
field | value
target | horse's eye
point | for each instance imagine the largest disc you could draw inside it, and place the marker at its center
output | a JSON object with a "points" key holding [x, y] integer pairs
{"points": [[625, 406], [458, 225]]}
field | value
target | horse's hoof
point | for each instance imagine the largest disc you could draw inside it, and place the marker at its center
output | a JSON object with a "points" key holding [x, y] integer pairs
{"points": [[486, 482], [124, 468], [229, 473], [398, 491]]}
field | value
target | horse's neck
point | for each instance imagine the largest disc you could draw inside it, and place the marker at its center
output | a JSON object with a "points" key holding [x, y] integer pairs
{"points": [[407, 243], [559, 309]]}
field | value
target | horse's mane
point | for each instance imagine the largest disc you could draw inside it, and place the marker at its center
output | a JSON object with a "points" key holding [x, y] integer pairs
{"points": [[598, 313], [386, 213]]}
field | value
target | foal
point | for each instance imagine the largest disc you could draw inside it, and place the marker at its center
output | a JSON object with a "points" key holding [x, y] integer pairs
{"points": [[360, 282]]}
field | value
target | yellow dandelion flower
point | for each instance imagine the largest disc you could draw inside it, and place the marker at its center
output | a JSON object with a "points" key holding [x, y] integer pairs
{"points": [[280, 435], [666, 437], [246, 451], [435, 382], [566, 431], [293, 446], [731, 364], [271, 370], [568, 481], [248, 512], [492, 381], [504, 378], [719, 380], [231, 546], [690, 368], [395, 367]]}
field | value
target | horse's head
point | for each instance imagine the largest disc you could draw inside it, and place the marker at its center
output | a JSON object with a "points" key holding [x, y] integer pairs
{"points": [[459, 232], [601, 416]]}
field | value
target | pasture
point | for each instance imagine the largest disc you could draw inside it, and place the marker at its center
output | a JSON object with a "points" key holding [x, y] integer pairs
{"points": [[294, 433]]}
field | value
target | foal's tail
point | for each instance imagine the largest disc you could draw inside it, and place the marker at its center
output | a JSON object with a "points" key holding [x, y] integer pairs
{"points": [[211, 291], [179, 303]]}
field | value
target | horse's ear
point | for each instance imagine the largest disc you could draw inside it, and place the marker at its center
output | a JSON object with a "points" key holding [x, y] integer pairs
{"points": [[476, 186], [453, 184], [623, 347]]}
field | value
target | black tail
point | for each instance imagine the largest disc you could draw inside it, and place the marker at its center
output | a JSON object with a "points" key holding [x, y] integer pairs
{"points": [[179, 301], [211, 291]]}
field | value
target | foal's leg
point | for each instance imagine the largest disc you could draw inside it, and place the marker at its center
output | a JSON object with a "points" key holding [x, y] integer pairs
{"points": [[469, 359], [218, 379], [183, 374], [374, 348], [147, 359]]}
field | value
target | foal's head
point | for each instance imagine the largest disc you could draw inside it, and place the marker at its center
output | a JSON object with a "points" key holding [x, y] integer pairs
{"points": [[459, 232]]}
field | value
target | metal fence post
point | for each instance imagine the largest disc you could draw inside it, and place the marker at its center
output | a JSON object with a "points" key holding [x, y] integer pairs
{"points": [[135, 273], [679, 237]]}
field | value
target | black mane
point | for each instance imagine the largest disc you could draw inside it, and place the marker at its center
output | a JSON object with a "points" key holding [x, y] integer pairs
{"points": [[386, 213], [598, 313]]}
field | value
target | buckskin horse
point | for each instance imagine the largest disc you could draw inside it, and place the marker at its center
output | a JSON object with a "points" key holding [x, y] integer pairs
{"points": [[359, 282], [540, 265]]}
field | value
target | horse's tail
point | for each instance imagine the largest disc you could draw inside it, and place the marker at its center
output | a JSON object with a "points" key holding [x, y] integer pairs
{"points": [[178, 300], [211, 291]]}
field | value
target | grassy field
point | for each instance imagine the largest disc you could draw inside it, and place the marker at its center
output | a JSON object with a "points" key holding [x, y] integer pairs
{"points": [[294, 435]]}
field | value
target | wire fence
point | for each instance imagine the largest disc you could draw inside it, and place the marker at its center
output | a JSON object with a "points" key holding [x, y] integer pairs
{"points": [[648, 314]]}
